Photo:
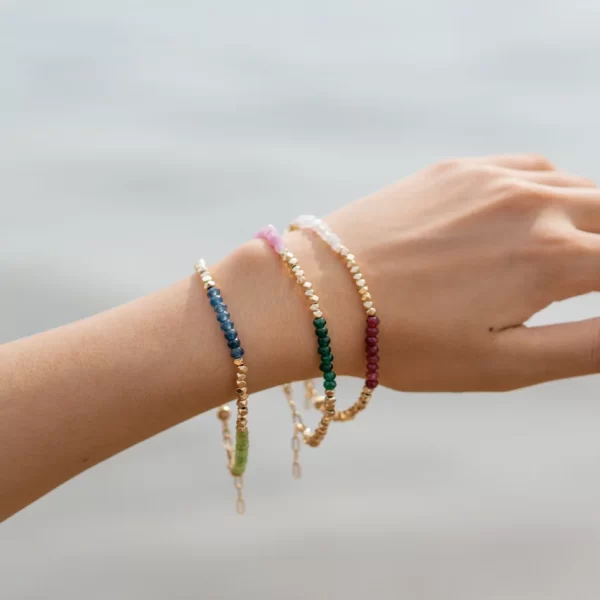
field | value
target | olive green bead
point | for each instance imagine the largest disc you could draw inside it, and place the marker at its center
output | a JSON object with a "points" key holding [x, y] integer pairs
{"points": [[241, 453]]}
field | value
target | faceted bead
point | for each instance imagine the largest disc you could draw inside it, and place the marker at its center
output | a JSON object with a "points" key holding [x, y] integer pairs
{"points": [[326, 351], [329, 376], [216, 300], [227, 325], [213, 292], [373, 321], [231, 334], [237, 353], [372, 377], [330, 385], [322, 332], [372, 331], [223, 316], [372, 384], [220, 307], [372, 341], [324, 341], [373, 360], [326, 367], [235, 343], [319, 323], [327, 360], [372, 350], [372, 367]]}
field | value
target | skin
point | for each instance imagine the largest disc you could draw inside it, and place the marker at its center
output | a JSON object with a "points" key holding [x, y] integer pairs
{"points": [[457, 257]]}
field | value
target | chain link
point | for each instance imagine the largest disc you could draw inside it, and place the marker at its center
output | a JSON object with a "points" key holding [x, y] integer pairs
{"points": [[298, 423]]}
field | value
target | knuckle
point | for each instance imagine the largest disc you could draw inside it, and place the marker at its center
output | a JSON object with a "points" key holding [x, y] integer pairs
{"points": [[539, 161]]}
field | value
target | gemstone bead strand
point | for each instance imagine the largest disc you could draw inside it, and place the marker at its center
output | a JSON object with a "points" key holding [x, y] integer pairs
{"points": [[318, 226], [237, 457], [271, 236]]}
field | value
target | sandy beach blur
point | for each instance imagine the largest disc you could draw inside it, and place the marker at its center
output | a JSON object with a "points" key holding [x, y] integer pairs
{"points": [[135, 137]]}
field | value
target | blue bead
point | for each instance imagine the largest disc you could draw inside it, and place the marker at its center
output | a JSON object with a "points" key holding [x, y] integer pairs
{"points": [[237, 353], [213, 291], [234, 343], [227, 325], [223, 316], [216, 301], [220, 308], [231, 334]]}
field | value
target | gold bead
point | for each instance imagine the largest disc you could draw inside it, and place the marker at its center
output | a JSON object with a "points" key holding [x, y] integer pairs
{"points": [[240, 383], [366, 296], [243, 411], [241, 377], [242, 403], [238, 362], [330, 394], [241, 391], [372, 312], [243, 397], [364, 289], [300, 427], [209, 284], [242, 368], [223, 413]]}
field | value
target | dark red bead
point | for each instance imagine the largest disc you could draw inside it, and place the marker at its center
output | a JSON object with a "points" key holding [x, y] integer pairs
{"points": [[372, 331], [372, 377], [372, 350], [373, 321], [372, 367], [371, 341], [373, 360], [372, 384]]}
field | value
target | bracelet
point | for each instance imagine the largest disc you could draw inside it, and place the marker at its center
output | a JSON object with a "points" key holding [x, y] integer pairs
{"points": [[323, 230], [237, 458], [271, 236]]}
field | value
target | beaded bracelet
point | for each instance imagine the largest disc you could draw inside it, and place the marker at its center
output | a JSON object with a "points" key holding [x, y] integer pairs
{"points": [[275, 241], [323, 230], [237, 458]]}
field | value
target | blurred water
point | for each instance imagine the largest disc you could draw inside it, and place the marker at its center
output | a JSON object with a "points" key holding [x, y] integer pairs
{"points": [[137, 135]]}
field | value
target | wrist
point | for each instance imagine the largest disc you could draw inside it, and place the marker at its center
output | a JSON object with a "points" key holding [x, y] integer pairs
{"points": [[272, 316]]}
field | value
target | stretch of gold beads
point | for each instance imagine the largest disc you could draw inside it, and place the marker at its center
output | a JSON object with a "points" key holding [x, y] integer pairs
{"points": [[311, 438]]}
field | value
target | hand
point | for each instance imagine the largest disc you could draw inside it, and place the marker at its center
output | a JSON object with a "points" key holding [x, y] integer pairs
{"points": [[460, 255]]}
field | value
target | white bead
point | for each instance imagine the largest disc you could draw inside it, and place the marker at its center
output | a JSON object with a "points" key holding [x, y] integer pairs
{"points": [[368, 304], [360, 283], [200, 265], [293, 261], [309, 292], [344, 251], [350, 257], [206, 277], [314, 307], [358, 276], [318, 314]]}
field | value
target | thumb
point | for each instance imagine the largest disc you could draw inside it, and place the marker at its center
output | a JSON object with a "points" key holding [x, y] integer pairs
{"points": [[531, 355]]}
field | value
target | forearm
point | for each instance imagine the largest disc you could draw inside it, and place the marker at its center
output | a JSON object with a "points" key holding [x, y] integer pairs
{"points": [[76, 395]]}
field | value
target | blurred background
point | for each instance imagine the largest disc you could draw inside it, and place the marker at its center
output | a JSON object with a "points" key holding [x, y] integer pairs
{"points": [[135, 136]]}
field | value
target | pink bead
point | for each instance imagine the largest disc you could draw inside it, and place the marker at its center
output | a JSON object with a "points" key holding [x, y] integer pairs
{"points": [[270, 235], [371, 341], [372, 321], [372, 331]]}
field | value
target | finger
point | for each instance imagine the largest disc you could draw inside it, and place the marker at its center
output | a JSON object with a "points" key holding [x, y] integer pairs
{"points": [[531, 355], [522, 162], [552, 178], [582, 205]]}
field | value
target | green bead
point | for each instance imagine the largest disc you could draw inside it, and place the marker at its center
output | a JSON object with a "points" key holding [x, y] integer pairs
{"points": [[330, 376], [319, 323], [241, 453], [330, 385], [322, 332], [326, 351], [326, 367], [327, 360], [324, 341]]}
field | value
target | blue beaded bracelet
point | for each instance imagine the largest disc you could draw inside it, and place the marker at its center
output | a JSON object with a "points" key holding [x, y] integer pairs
{"points": [[237, 458]]}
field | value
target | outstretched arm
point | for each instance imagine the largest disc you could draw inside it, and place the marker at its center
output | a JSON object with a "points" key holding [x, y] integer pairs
{"points": [[457, 258]]}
